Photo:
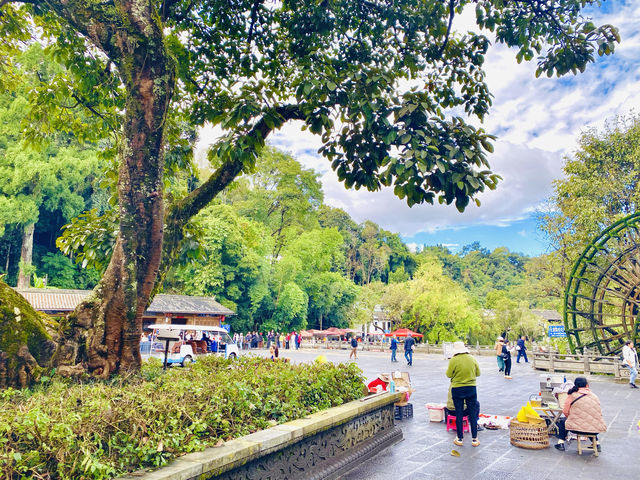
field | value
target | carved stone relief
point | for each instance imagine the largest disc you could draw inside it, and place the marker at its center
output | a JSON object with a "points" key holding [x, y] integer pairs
{"points": [[308, 458]]}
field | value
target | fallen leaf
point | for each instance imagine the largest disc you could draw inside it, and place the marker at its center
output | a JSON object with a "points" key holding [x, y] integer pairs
{"points": [[455, 453]]}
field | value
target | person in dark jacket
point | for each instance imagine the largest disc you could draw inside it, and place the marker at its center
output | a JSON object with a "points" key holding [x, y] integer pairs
{"points": [[354, 348], [506, 355], [394, 348], [408, 349], [522, 350]]}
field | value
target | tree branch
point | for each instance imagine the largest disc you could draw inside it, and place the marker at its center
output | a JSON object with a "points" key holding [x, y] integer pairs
{"points": [[446, 36], [254, 18], [89, 107], [181, 212]]}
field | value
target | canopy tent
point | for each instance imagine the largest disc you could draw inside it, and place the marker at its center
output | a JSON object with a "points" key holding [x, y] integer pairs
{"points": [[376, 332], [306, 334], [403, 332], [316, 333], [333, 331]]}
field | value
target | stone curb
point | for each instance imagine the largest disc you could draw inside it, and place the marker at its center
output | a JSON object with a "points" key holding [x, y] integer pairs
{"points": [[234, 453]]}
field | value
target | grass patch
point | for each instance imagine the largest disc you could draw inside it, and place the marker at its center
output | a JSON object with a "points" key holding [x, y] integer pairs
{"points": [[96, 430]]}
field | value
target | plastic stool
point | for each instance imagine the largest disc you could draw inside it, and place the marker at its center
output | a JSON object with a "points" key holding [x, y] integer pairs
{"points": [[451, 423]]}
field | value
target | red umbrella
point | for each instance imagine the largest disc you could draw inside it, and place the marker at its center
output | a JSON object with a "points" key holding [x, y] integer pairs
{"points": [[306, 334], [403, 332], [316, 333]]}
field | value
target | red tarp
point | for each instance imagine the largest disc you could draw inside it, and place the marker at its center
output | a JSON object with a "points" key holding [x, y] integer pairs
{"points": [[403, 332]]}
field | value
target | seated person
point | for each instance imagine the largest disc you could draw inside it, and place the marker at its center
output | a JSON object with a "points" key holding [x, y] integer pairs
{"points": [[583, 413], [451, 409]]}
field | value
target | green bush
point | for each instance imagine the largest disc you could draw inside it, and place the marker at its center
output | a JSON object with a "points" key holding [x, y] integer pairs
{"points": [[104, 429]]}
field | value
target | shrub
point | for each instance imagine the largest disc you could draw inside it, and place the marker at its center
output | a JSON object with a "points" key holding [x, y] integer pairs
{"points": [[103, 429]]}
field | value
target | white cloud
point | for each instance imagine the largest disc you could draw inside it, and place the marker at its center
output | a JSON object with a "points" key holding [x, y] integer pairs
{"points": [[414, 247]]}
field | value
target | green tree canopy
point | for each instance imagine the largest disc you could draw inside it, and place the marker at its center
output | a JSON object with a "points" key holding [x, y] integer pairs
{"points": [[381, 84], [600, 186], [433, 304]]}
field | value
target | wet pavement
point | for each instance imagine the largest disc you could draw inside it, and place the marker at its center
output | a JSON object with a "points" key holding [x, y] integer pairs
{"points": [[425, 452]]}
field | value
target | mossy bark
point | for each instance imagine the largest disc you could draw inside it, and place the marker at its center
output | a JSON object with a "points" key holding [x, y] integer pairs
{"points": [[27, 346], [104, 332]]}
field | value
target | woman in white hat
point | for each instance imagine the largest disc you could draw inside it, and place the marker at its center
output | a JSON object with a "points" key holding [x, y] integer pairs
{"points": [[463, 370]]}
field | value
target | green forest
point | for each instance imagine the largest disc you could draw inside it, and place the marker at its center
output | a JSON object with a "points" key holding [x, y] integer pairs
{"points": [[268, 246]]}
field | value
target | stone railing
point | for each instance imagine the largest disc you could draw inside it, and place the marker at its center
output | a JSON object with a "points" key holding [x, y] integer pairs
{"points": [[587, 364], [322, 445]]}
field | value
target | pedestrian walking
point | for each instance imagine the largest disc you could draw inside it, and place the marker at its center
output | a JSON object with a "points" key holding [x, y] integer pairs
{"points": [[394, 348], [522, 350], [354, 348], [506, 356], [630, 360], [463, 370], [499, 357], [408, 349]]}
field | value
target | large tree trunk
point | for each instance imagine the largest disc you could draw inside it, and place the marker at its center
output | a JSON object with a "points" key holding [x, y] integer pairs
{"points": [[26, 256], [105, 329]]}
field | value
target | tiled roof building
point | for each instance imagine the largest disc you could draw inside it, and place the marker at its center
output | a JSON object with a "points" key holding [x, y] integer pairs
{"points": [[181, 309]]}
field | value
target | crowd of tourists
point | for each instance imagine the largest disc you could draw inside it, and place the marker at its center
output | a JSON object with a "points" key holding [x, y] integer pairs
{"points": [[255, 339]]}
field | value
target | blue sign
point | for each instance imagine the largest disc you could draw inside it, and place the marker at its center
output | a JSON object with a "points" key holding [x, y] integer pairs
{"points": [[227, 327], [556, 331]]}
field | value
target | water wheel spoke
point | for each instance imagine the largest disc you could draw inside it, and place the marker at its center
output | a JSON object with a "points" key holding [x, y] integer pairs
{"points": [[602, 299]]}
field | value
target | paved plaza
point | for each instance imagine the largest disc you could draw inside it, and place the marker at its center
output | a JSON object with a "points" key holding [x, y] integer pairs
{"points": [[425, 452]]}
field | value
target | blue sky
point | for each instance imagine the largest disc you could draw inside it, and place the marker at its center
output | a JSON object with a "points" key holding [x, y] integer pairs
{"points": [[538, 123], [519, 236]]}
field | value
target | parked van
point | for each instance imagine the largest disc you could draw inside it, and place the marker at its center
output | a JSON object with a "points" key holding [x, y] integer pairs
{"points": [[183, 351]]}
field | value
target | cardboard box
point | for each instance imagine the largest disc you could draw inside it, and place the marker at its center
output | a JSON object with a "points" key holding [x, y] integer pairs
{"points": [[403, 384]]}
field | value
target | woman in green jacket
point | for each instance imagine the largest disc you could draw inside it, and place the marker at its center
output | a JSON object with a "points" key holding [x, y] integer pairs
{"points": [[463, 370]]}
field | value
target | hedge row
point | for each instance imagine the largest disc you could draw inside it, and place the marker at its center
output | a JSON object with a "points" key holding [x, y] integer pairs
{"points": [[101, 430]]}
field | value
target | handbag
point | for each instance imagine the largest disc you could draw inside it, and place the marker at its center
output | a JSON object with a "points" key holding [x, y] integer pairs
{"points": [[518, 348]]}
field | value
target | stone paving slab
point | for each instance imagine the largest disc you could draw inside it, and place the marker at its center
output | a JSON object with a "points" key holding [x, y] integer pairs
{"points": [[425, 452]]}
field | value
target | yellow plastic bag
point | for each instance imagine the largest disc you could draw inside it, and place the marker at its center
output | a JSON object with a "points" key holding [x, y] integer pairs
{"points": [[522, 416], [532, 415]]}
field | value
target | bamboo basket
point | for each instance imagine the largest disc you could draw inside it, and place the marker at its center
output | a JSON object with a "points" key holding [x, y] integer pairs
{"points": [[529, 435]]}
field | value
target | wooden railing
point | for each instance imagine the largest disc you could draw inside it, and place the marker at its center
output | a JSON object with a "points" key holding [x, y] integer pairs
{"points": [[384, 346], [588, 363]]}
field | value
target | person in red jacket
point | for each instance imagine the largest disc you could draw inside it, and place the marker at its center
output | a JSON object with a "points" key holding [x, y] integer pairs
{"points": [[583, 413]]}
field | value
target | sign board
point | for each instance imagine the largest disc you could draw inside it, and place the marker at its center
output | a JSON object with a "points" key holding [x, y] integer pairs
{"points": [[168, 335], [226, 326], [556, 331]]}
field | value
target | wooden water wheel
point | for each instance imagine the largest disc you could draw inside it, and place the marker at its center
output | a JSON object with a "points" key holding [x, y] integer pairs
{"points": [[602, 299]]}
